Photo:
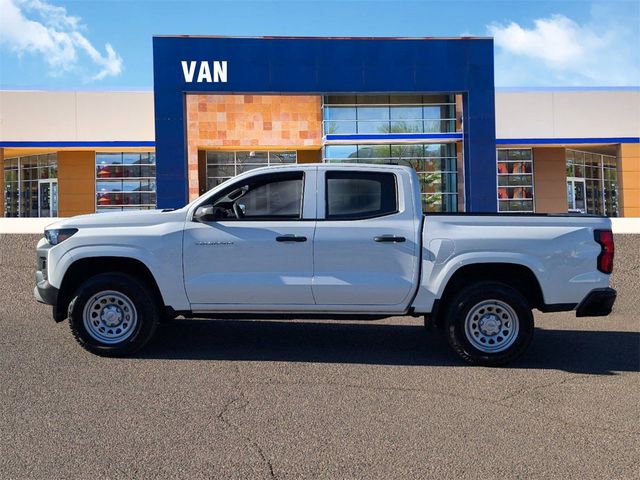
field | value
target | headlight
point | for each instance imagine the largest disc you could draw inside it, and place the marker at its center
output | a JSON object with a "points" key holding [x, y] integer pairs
{"points": [[59, 235]]}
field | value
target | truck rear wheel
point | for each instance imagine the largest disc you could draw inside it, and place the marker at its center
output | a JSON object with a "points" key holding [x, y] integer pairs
{"points": [[113, 315], [489, 323]]}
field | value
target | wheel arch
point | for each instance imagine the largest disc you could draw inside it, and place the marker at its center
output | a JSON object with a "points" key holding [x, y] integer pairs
{"points": [[87, 267], [515, 275]]}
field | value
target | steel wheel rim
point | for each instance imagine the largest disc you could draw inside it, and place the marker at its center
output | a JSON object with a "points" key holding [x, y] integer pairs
{"points": [[110, 317], [491, 326]]}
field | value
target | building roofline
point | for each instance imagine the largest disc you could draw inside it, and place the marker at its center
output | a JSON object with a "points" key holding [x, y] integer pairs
{"points": [[76, 90], [629, 88], [277, 37], [36, 89]]}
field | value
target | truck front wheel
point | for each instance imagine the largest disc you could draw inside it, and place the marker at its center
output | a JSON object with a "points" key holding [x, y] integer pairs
{"points": [[489, 323], [113, 315]]}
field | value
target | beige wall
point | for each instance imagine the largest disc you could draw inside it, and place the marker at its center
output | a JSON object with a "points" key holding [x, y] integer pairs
{"points": [[568, 114], [76, 183], [76, 116], [105, 116], [550, 180], [128, 116]]}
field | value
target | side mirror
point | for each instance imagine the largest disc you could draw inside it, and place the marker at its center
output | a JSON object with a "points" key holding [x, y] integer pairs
{"points": [[204, 214]]}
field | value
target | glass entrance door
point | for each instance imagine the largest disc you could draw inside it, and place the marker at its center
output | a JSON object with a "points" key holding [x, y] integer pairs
{"points": [[48, 198], [576, 198]]}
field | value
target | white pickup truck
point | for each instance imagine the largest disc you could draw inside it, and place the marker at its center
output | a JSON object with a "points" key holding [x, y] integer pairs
{"points": [[323, 241]]}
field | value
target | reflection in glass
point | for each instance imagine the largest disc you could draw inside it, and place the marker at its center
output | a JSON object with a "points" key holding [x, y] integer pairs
{"points": [[600, 177], [436, 165], [515, 180], [125, 180], [383, 114], [22, 179], [223, 165]]}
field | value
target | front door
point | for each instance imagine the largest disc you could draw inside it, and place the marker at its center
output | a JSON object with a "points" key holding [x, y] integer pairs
{"points": [[259, 248], [47, 198], [576, 195]]}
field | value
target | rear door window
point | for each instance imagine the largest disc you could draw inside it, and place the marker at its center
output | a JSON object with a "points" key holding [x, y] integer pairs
{"points": [[353, 195]]}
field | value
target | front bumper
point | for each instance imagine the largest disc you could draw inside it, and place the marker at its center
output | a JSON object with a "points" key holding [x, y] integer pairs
{"points": [[44, 291], [598, 303]]}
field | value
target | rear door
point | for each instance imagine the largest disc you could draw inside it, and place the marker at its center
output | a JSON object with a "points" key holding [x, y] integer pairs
{"points": [[260, 250], [366, 244]]}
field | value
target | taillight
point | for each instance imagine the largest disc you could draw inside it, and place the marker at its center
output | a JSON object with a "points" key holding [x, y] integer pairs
{"points": [[605, 259]]}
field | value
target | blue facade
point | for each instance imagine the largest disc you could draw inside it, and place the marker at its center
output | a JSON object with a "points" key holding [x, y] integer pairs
{"points": [[329, 66]]}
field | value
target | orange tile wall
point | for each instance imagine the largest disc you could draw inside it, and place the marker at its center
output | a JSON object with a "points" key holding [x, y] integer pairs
{"points": [[629, 179], [236, 122], [550, 179], [76, 182]]}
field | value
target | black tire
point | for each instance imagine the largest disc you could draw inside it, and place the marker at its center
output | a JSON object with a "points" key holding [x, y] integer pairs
{"points": [[471, 298], [143, 301]]}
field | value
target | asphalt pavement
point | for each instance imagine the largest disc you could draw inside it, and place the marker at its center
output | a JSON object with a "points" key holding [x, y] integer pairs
{"points": [[317, 399]]}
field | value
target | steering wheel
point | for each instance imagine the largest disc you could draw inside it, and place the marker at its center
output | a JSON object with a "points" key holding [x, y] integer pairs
{"points": [[238, 211]]}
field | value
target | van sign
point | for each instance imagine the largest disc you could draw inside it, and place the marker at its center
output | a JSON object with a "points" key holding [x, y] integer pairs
{"points": [[208, 72]]}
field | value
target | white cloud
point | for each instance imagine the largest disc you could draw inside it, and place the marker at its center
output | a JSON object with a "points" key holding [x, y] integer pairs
{"points": [[37, 27], [559, 51]]}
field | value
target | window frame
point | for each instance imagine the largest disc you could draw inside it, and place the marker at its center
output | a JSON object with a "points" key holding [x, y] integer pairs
{"points": [[261, 178], [507, 201], [327, 175], [147, 160], [235, 164]]}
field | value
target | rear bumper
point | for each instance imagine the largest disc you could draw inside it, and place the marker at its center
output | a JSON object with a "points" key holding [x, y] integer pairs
{"points": [[598, 303]]}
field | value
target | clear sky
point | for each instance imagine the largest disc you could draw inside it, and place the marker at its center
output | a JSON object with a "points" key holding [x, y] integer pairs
{"points": [[106, 44]]}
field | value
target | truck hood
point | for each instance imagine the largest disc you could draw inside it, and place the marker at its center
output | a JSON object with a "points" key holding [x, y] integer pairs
{"points": [[137, 218]]}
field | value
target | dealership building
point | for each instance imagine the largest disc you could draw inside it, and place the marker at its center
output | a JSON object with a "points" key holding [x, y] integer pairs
{"points": [[222, 106]]}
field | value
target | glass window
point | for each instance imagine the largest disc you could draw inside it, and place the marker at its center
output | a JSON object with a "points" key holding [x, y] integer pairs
{"points": [[515, 180], [108, 158], [357, 195], [282, 199], [406, 113], [266, 197], [599, 173], [340, 113], [340, 99], [220, 157], [380, 114], [131, 158], [125, 181], [341, 151], [405, 99], [436, 165], [340, 127], [439, 202], [22, 179], [408, 151], [281, 157], [374, 151], [223, 165]]}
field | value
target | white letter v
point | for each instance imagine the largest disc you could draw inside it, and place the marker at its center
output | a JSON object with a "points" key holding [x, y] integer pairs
{"points": [[188, 72]]}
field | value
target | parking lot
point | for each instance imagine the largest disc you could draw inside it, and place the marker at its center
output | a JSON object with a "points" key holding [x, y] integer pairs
{"points": [[276, 399]]}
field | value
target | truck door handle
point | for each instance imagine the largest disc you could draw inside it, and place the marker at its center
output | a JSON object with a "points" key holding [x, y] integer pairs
{"points": [[290, 238], [389, 239]]}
